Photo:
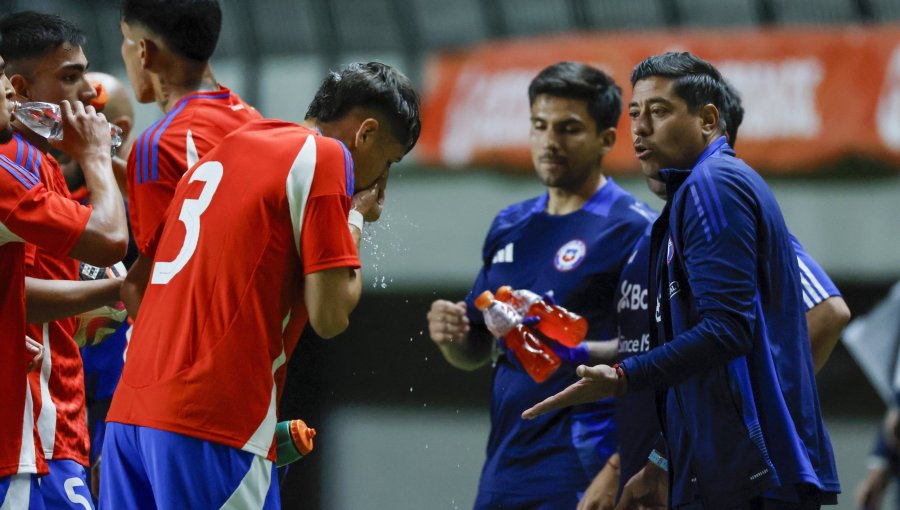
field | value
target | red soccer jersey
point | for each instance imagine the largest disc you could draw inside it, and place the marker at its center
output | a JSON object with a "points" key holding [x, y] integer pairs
{"points": [[28, 213], [58, 387], [224, 308], [168, 148]]}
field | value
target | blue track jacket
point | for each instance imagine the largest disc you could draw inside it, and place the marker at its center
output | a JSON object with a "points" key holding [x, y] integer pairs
{"points": [[742, 416]]}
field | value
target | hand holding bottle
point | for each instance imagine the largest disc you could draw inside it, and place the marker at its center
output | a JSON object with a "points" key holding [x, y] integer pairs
{"points": [[556, 322]]}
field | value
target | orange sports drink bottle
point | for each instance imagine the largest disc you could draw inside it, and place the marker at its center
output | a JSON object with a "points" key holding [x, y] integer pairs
{"points": [[293, 441], [556, 322], [537, 359]]}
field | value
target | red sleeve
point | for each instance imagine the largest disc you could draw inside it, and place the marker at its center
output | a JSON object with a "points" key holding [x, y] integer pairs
{"points": [[30, 254], [148, 200], [47, 219], [325, 240]]}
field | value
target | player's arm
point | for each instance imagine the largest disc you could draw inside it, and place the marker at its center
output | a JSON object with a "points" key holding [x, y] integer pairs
{"points": [[825, 322], [826, 311], [51, 300], [104, 240], [135, 284], [463, 345]]}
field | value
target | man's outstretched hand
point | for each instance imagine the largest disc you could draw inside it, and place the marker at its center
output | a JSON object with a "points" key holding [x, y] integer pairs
{"points": [[596, 383]]}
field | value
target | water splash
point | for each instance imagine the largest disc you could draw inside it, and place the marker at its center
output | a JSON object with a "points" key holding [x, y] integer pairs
{"points": [[380, 243]]}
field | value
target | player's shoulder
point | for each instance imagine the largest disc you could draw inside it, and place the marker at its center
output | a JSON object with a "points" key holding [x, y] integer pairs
{"points": [[14, 176], [621, 206], [518, 213]]}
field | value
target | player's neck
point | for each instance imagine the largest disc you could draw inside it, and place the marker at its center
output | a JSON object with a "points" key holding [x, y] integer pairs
{"points": [[31, 137], [561, 201], [181, 82]]}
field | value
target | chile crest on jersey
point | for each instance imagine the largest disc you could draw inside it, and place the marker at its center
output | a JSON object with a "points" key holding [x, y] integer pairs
{"points": [[570, 256]]}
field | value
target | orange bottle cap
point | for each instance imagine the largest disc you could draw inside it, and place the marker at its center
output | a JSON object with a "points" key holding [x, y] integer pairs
{"points": [[102, 98], [302, 436], [504, 293], [483, 301]]}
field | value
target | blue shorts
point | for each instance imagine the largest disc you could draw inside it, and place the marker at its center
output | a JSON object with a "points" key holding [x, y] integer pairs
{"points": [[149, 468], [20, 491], [66, 486]]}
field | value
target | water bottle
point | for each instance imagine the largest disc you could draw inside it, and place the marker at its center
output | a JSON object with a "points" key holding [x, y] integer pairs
{"points": [[293, 441], [503, 320], [556, 322], [45, 119]]}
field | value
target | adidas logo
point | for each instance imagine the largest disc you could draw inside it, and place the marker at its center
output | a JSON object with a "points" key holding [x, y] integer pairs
{"points": [[505, 254]]}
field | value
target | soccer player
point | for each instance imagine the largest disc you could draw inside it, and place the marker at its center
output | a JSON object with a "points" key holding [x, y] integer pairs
{"points": [[573, 241], [45, 63], [31, 213], [742, 419], [256, 244], [166, 48]]}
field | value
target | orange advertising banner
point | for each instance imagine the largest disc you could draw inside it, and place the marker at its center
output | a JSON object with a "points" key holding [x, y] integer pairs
{"points": [[812, 96]]}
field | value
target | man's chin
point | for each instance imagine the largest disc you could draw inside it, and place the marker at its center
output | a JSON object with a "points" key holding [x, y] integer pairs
{"points": [[6, 135]]}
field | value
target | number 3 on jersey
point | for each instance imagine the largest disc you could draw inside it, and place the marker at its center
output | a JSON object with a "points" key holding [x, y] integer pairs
{"points": [[191, 210]]}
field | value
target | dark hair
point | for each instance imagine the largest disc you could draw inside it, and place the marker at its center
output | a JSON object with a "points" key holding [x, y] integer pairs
{"points": [[29, 34], [190, 28], [732, 112], [370, 85], [580, 81], [697, 81]]}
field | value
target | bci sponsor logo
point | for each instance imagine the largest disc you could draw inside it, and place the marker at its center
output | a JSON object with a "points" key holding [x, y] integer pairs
{"points": [[634, 297]]}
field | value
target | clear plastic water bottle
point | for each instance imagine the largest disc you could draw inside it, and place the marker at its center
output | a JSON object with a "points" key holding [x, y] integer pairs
{"points": [[537, 359], [556, 322], [45, 119]]}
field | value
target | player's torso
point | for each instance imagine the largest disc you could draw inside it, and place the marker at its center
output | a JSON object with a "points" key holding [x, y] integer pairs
{"points": [[58, 387], [226, 283], [578, 258]]}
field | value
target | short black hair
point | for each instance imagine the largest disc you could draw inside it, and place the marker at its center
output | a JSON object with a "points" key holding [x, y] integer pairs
{"points": [[29, 34], [190, 28], [697, 81], [370, 85], [732, 112], [581, 81]]}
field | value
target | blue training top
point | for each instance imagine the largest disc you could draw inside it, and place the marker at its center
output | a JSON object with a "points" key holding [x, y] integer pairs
{"points": [[578, 257], [742, 414]]}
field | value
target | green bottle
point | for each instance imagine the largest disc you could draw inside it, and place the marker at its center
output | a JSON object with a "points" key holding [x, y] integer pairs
{"points": [[293, 441]]}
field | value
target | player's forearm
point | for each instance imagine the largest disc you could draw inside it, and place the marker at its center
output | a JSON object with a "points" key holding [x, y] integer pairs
{"points": [[825, 322], [330, 297], [51, 300], [469, 352], [106, 234], [135, 284]]}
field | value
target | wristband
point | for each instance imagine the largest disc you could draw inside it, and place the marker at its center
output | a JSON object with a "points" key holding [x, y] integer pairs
{"points": [[656, 458], [355, 218], [620, 380]]}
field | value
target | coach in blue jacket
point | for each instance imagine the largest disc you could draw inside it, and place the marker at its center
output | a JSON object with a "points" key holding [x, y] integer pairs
{"points": [[739, 406]]}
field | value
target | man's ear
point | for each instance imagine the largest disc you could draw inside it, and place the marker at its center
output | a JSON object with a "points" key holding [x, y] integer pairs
{"points": [[20, 83], [608, 137], [709, 119], [149, 53], [365, 134]]}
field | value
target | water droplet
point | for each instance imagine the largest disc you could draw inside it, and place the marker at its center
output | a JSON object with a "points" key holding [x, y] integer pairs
{"points": [[410, 389]]}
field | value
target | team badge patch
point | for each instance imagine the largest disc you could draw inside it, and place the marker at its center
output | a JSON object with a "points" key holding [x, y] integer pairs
{"points": [[570, 255]]}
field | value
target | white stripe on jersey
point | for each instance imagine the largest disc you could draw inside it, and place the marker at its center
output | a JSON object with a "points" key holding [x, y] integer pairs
{"points": [[27, 454], [18, 494], [252, 491], [47, 416], [817, 293], [261, 440], [299, 181]]}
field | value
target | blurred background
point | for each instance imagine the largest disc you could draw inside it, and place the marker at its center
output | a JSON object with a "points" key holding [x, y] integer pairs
{"points": [[398, 427]]}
